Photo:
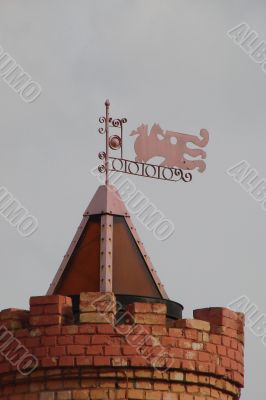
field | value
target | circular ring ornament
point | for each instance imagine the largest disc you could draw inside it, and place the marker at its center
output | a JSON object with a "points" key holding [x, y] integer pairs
{"points": [[150, 171], [115, 142], [133, 168], [115, 167], [168, 173]]}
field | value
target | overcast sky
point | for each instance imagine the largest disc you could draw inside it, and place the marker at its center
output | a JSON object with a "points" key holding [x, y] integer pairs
{"points": [[164, 61]]}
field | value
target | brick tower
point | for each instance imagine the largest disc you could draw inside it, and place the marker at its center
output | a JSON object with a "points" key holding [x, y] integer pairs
{"points": [[107, 330]]}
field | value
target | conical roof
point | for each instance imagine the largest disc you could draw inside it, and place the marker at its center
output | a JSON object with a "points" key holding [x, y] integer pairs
{"points": [[107, 254]]}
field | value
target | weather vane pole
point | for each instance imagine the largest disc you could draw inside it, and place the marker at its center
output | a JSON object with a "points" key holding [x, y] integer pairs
{"points": [[107, 134], [170, 145]]}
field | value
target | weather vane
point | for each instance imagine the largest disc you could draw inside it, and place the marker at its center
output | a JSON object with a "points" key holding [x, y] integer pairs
{"points": [[171, 146]]}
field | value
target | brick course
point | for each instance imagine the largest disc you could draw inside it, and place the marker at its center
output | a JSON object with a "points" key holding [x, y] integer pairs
{"points": [[150, 358]]}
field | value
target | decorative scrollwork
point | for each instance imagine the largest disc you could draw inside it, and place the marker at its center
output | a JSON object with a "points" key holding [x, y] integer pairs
{"points": [[118, 122], [187, 177], [102, 155], [102, 121], [101, 169], [178, 174], [149, 170], [184, 176], [174, 168]]}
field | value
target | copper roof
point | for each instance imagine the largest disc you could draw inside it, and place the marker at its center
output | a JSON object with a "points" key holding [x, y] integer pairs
{"points": [[107, 254]]}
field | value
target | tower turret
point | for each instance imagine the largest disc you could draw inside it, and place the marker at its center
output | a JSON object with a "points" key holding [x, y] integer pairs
{"points": [[106, 328]]}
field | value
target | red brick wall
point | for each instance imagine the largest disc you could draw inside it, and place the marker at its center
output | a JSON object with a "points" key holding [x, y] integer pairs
{"points": [[145, 357]]}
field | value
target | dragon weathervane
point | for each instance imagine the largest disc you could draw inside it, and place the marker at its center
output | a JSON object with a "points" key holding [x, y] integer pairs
{"points": [[172, 146]]}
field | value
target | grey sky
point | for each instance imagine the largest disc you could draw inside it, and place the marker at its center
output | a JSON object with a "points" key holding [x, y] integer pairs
{"points": [[164, 61]]}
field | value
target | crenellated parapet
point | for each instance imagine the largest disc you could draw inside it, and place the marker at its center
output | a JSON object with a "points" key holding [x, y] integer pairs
{"points": [[109, 353]]}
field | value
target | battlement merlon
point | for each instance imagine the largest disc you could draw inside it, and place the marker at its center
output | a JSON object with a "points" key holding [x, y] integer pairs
{"points": [[211, 344]]}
